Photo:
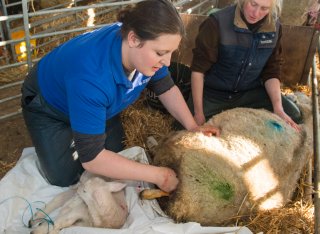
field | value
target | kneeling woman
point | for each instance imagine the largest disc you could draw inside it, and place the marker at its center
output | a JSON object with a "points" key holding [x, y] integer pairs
{"points": [[72, 98]]}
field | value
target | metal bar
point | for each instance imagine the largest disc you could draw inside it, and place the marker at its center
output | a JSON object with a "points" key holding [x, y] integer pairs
{"points": [[8, 32], [180, 3], [2, 37], [62, 5], [45, 20], [309, 188], [12, 65], [67, 31], [72, 23], [80, 8], [191, 9], [316, 143], [27, 32], [4, 29], [59, 16], [11, 17], [38, 46], [10, 98], [15, 3], [11, 85], [3, 43], [58, 5], [58, 11], [41, 35], [10, 114]]}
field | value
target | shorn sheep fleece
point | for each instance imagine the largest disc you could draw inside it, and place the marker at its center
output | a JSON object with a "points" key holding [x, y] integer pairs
{"points": [[254, 165]]}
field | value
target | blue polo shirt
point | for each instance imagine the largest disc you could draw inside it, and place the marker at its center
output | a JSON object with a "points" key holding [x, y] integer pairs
{"points": [[84, 79]]}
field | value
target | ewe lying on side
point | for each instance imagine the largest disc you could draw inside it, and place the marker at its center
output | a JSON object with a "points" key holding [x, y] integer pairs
{"points": [[253, 165], [92, 202]]}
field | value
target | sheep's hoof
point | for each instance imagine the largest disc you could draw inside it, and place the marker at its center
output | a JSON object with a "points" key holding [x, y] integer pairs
{"points": [[149, 194]]}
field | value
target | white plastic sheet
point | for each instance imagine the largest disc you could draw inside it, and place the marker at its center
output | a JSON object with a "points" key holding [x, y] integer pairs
{"points": [[25, 185]]}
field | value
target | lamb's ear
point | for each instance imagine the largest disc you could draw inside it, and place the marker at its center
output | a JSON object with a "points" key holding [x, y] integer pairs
{"points": [[110, 187], [116, 186], [98, 195]]}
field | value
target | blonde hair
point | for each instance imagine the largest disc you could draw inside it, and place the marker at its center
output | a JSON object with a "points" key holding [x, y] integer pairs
{"points": [[275, 11]]}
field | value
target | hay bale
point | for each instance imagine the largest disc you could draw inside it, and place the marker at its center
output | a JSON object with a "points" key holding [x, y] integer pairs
{"points": [[253, 166]]}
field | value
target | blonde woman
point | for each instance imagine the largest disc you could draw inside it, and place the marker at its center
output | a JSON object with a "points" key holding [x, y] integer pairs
{"points": [[237, 61]]}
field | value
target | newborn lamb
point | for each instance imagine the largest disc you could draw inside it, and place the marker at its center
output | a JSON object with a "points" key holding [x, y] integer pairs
{"points": [[93, 202]]}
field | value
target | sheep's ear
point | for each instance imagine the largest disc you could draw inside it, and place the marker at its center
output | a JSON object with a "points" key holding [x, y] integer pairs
{"points": [[116, 186], [110, 187], [98, 195]]}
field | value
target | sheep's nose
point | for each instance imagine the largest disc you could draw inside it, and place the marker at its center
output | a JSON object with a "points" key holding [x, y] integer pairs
{"points": [[123, 207]]}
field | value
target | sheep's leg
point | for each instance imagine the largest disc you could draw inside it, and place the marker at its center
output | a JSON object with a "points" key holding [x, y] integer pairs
{"points": [[74, 211], [55, 203]]}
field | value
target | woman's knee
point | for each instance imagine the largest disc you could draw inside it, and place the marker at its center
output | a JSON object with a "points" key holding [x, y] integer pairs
{"points": [[58, 160], [62, 175]]}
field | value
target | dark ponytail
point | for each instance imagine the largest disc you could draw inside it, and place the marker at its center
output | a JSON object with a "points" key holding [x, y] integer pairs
{"points": [[151, 18]]}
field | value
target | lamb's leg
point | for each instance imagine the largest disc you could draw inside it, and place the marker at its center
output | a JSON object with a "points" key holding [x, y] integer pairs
{"points": [[73, 212], [55, 203]]}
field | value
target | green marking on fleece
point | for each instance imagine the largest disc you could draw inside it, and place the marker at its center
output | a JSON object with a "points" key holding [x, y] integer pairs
{"points": [[217, 186]]}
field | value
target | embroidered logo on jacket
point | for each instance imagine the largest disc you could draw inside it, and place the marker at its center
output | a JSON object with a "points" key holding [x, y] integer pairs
{"points": [[266, 42]]}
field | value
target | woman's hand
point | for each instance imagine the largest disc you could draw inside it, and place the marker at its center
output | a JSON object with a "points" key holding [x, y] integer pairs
{"points": [[168, 180], [288, 120], [208, 130]]}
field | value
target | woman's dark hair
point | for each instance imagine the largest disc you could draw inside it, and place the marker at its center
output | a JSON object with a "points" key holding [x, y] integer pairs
{"points": [[151, 18]]}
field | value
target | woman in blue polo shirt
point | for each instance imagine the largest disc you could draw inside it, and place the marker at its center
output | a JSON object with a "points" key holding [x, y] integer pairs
{"points": [[72, 98]]}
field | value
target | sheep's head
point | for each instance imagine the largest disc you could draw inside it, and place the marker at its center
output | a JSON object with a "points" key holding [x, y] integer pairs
{"points": [[106, 202]]}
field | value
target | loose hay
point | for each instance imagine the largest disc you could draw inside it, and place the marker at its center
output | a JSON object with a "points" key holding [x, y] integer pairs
{"points": [[296, 217], [4, 166], [140, 121]]}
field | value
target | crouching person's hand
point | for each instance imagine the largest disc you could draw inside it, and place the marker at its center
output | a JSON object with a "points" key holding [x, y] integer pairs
{"points": [[167, 180], [208, 130]]}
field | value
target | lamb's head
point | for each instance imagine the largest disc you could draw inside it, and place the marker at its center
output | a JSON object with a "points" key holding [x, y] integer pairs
{"points": [[106, 202]]}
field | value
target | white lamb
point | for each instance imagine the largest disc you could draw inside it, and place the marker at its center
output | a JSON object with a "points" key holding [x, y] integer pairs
{"points": [[93, 202]]}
